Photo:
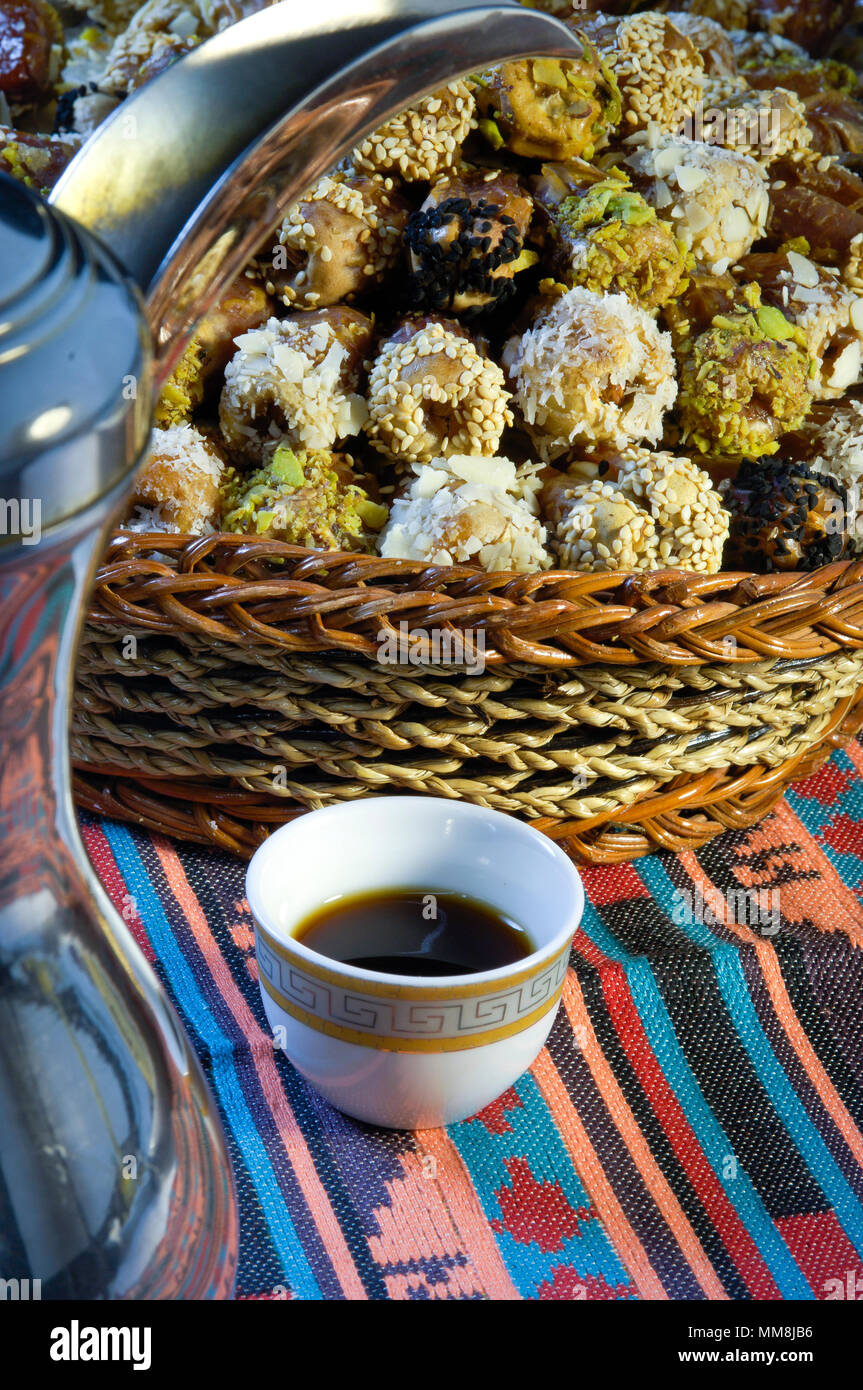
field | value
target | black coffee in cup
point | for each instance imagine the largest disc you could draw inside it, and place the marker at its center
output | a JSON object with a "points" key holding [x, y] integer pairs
{"points": [[412, 931]]}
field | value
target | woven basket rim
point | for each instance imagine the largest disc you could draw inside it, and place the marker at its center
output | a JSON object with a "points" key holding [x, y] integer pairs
{"points": [[624, 662], [246, 590]]}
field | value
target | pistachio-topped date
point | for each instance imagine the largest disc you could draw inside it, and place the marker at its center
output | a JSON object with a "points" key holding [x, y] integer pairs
{"points": [[545, 108]]}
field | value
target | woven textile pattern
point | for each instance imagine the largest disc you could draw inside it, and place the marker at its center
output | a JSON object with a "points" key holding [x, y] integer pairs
{"points": [[693, 1130]]}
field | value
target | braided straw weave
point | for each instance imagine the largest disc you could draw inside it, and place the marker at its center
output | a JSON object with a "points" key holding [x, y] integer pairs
{"points": [[618, 712]]}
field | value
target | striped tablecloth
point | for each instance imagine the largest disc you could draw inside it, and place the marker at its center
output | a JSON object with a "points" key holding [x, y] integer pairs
{"points": [[692, 1130]]}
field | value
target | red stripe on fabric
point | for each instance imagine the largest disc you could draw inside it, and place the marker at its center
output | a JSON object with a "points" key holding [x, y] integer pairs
{"points": [[658, 1186], [783, 1010], [262, 1058], [854, 752], [612, 885], [695, 1163], [599, 1189], [822, 1250], [105, 866]]}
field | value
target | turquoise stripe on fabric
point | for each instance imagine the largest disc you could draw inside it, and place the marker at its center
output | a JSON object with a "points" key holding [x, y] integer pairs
{"points": [[534, 1136], [225, 1078], [785, 1100], [818, 816], [659, 1029]]}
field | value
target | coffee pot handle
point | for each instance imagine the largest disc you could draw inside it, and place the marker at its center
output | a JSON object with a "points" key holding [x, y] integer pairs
{"points": [[187, 177]]}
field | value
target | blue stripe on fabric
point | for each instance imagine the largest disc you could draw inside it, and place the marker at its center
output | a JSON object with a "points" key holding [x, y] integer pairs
{"points": [[533, 1137], [297, 1094], [661, 1034], [225, 1078], [771, 1074], [817, 817]]}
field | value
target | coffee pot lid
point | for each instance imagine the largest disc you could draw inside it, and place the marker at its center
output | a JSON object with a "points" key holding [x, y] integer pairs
{"points": [[75, 363]]}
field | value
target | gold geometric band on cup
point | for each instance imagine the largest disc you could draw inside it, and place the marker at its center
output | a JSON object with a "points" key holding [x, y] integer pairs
{"points": [[387, 1043], [408, 1018]]}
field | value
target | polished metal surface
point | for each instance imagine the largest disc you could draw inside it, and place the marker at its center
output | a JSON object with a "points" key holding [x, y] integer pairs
{"points": [[114, 1179], [187, 178], [75, 364], [113, 1174]]}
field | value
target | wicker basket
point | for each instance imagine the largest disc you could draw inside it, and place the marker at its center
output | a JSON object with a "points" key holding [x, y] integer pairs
{"points": [[227, 684]]}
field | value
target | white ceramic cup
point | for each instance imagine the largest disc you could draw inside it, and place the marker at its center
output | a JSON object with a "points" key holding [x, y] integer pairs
{"points": [[401, 1050]]}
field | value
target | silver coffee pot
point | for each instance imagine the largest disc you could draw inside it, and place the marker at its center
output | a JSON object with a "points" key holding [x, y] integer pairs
{"points": [[114, 1175]]}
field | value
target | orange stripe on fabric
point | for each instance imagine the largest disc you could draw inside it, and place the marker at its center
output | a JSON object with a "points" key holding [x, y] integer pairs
{"points": [[468, 1217], [415, 1226], [846, 912], [261, 1051], [630, 1132], [772, 975], [414, 1230], [586, 1161], [682, 1137]]}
